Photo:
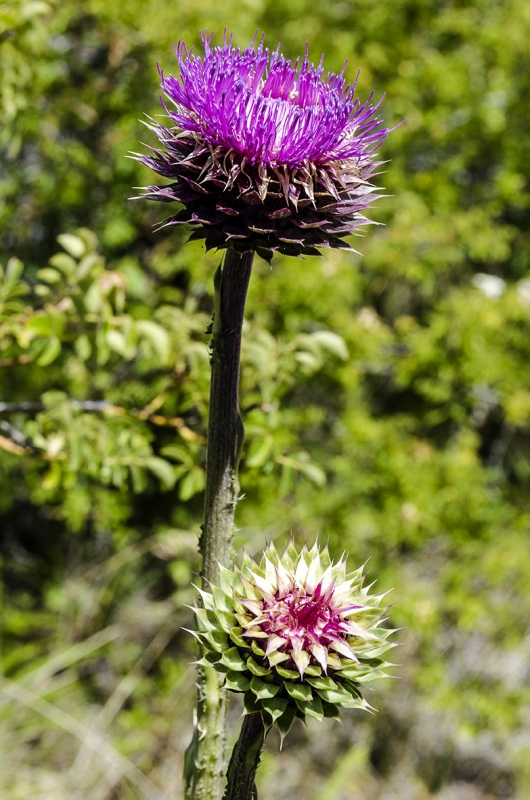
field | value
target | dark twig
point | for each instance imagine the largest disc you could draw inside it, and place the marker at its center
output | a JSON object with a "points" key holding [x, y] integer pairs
{"points": [[205, 756], [245, 760]]}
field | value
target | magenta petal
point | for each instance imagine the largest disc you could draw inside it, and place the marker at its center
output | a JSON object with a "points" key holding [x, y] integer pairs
{"points": [[293, 117]]}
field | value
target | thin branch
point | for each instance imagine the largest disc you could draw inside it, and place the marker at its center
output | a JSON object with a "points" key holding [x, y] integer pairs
{"points": [[23, 444], [15, 442]]}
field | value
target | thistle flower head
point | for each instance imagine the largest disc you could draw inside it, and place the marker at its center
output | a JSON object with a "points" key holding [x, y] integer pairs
{"points": [[262, 153], [296, 634]]}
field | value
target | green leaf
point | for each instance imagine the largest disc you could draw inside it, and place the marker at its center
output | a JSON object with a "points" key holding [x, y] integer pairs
{"points": [[354, 673], [72, 244], [259, 453], [334, 661], [235, 635], [207, 619], [14, 270], [275, 706], [285, 721], [256, 668], [222, 600], [226, 621], [218, 640], [299, 691], [312, 472], [333, 343], [118, 343], [237, 681], [39, 325], [251, 703], [277, 657], [335, 695], [226, 580], [211, 658], [312, 708], [64, 263], [375, 652], [330, 710], [176, 452], [259, 651], [352, 688], [290, 674], [369, 661], [49, 275], [371, 676], [263, 690], [157, 336], [233, 660], [83, 347], [50, 352], [192, 483], [322, 683], [163, 471]]}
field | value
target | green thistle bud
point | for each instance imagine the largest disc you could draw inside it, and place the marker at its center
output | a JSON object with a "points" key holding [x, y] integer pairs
{"points": [[296, 634]]}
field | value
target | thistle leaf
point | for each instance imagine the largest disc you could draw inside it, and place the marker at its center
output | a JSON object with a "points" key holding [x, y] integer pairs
{"points": [[330, 710], [257, 649], [226, 621], [322, 683], [285, 721], [222, 600], [277, 657], [251, 704], [218, 640], [275, 706], [233, 660], [313, 708], [290, 674], [335, 695], [263, 690], [299, 691], [207, 619], [256, 668], [237, 682], [235, 636]]}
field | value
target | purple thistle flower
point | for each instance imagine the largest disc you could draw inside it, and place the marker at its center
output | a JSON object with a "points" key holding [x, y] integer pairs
{"points": [[296, 634], [264, 154]]}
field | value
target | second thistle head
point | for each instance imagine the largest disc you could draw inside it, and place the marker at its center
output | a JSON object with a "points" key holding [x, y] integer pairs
{"points": [[264, 154], [297, 634]]}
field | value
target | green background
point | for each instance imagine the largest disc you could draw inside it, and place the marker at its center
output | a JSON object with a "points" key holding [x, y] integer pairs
{"points": [[386, 401]]}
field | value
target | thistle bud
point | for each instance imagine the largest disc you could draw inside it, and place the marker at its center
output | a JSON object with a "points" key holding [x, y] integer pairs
{"points": [[296, 634]]}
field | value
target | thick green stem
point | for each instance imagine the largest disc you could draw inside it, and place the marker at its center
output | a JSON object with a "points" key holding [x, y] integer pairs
{"points": [[204, 770], [245, 760]]}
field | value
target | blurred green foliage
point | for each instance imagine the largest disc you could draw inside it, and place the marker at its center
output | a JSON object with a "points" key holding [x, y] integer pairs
{"points": [[386, 399]]}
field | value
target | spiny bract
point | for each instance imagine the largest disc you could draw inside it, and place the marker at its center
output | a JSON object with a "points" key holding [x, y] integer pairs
{"points": [[296, 634], [264, 155]]}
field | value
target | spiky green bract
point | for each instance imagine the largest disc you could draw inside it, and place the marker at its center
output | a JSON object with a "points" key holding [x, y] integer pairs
{"points": [[296, 634]]}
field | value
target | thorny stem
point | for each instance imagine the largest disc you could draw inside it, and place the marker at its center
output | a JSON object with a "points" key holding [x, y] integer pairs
{"points": [[204, 768], [245, 760]]}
